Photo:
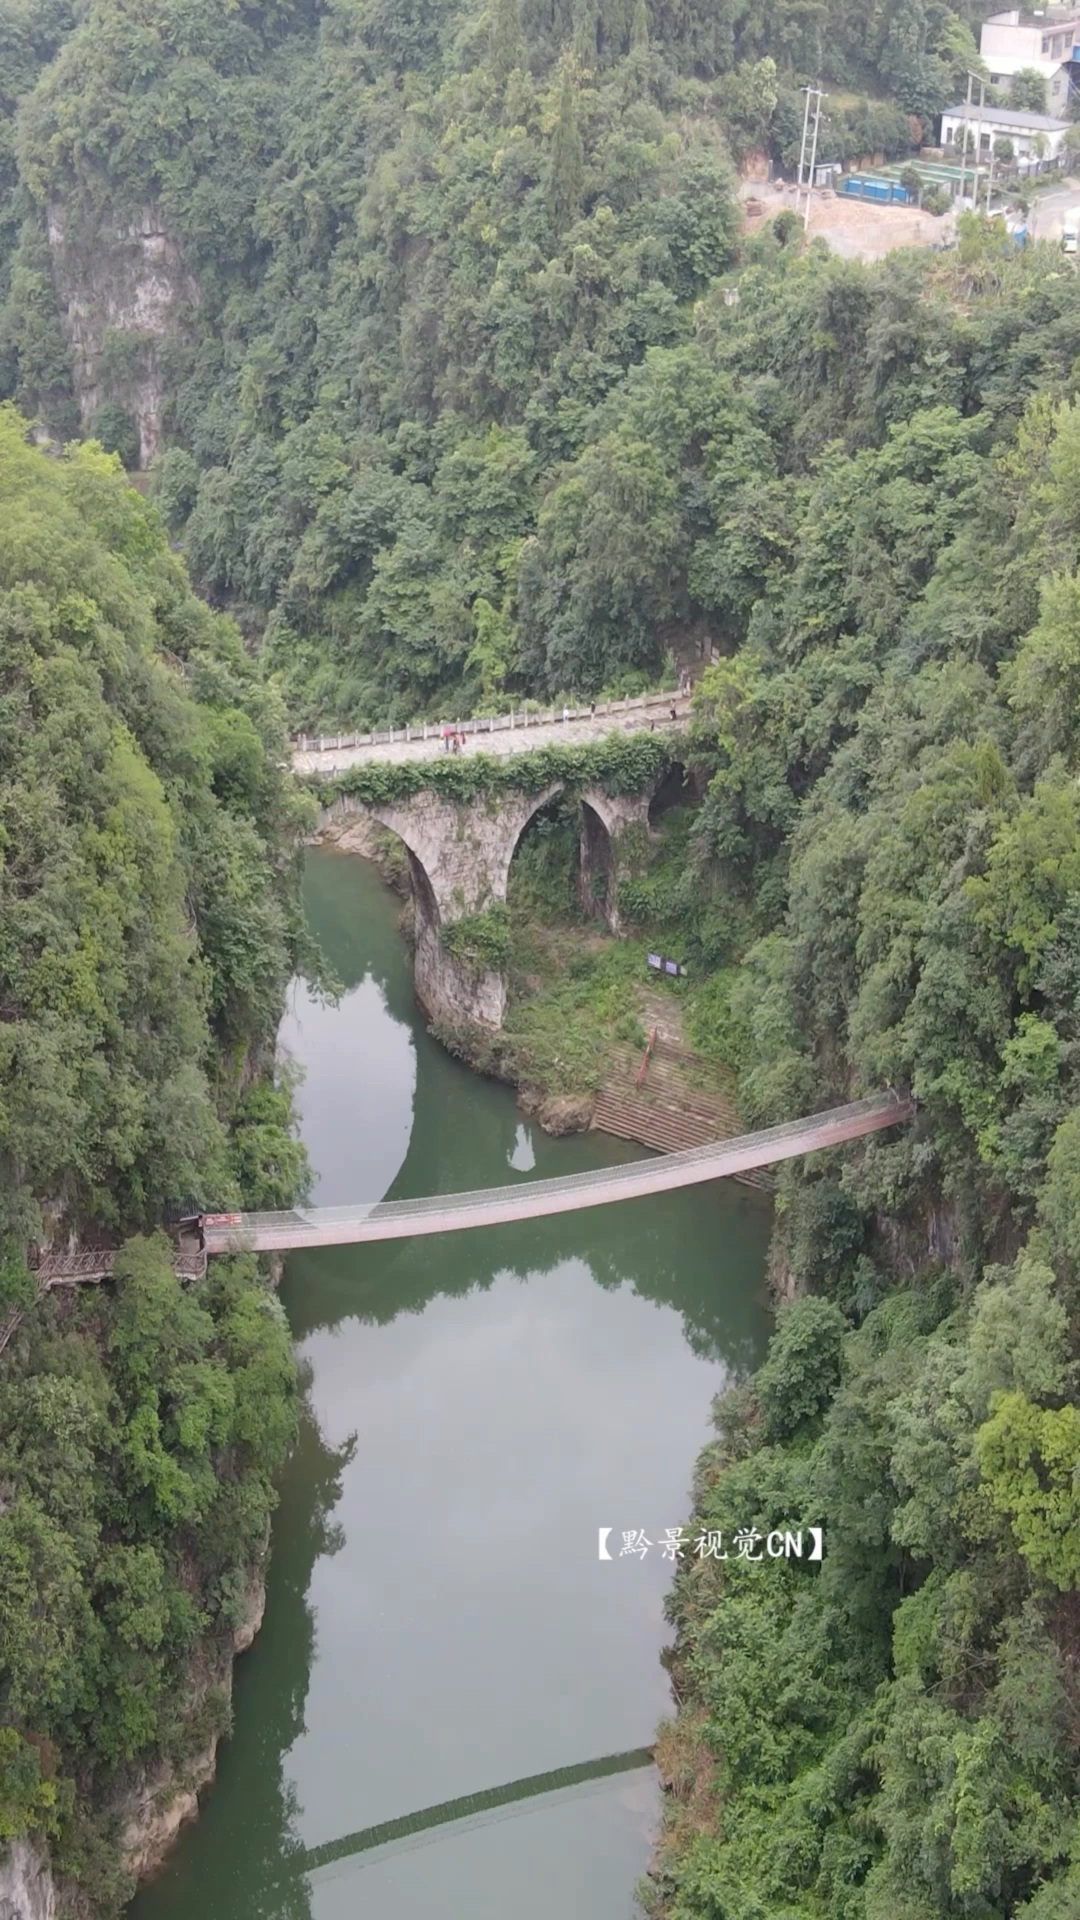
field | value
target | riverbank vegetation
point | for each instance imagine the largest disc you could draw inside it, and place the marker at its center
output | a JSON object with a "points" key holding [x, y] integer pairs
{"points": [[469, 384], [141, 1425], [882, 885], [892, 806], [148, 926]]}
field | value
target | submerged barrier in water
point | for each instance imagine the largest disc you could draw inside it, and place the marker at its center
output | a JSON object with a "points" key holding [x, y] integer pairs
{"points": [[470, 1803]]}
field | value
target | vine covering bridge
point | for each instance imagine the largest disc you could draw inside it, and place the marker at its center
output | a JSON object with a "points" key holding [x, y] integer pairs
{"points": [[491, 1206]]}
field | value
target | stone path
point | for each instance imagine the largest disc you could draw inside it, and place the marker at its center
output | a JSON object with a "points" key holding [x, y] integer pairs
{"points": [[499, 736]]}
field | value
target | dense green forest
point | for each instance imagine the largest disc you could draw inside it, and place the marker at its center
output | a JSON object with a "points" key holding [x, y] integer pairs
{"points": [[422, 247], [884, 879], [148, 926], [472, 388]]}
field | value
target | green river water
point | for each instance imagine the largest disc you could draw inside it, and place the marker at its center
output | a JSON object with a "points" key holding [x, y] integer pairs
{"points": [[478, 1405]]}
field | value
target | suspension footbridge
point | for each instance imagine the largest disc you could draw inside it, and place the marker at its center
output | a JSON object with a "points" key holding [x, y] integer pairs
{"points": [[532, 1199], [209, 1234]]}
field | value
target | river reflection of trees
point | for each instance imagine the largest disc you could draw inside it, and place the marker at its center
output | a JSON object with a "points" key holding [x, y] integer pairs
{"points": [[209, 1874], [699, 1252], [645, 1244]]}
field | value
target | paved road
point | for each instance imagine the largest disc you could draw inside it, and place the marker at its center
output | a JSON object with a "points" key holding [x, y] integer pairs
{"points": [[498, 738], [1048, 210], [532, 1199]]}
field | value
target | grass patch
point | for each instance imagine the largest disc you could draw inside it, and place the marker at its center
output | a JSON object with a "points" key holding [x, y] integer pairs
{"points": [[573, 997], [707, 1018], [576, 991], [482, 939]]}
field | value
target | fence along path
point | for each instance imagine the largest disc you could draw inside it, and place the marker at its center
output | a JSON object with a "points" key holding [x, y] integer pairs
{"points": [[489, 1206], [500, 734]]}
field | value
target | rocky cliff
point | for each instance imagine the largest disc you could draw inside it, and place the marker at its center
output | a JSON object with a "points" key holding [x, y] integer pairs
{"points": [[26, 1885], [152, 1811], [121, 290]]}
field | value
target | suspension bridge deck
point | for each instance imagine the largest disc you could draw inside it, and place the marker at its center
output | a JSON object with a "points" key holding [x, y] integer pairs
{"points": [[488, 1206], [530, 1200]]}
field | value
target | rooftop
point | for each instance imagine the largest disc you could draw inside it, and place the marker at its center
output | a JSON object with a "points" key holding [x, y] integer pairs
{"points": [[1009, 63], [1006, 117], [1054, 20]]}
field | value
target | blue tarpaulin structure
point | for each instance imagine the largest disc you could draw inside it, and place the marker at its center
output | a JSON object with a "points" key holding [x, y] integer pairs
{"points": [[872, 186]]}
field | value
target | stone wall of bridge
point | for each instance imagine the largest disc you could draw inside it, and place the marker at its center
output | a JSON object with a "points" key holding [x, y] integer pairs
{"points": [[459, 864]]}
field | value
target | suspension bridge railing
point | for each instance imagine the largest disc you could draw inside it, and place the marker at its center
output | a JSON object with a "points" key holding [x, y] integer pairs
{"points": [[533, 1199]]}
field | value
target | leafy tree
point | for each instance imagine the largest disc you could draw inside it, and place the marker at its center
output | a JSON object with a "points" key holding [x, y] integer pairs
{"points": [[802, 1371], [1059, 1203], [748, 95], [1028, 1456], [507, 47], [117, 433], [566, 179], [1027, 90]]}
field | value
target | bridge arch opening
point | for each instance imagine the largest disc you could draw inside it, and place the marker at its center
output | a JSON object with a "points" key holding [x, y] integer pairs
{"points": [[563, 863], [404, 870], [430, 963], [677, 788], [541, 881], [425, 905]]}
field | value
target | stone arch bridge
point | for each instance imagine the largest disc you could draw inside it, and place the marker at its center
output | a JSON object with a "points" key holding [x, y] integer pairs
{"points": [[459, 854], [460, 851]]}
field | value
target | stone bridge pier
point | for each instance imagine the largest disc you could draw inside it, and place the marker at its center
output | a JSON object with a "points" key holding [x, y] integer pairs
{"points": [[459, 862]]}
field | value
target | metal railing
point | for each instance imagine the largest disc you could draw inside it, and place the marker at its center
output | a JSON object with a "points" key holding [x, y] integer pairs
{"points": [[517, 720], [435, 1213], [641, 1072]]}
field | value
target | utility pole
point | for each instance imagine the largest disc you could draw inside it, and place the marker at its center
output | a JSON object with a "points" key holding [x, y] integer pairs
{"points": [[967, 129], [990, 178], [978, 142], [813, 158], [802, 149]]}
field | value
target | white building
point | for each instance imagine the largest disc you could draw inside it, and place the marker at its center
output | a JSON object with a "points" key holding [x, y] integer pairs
{"points": [[1023, 129], [1047, 42]]}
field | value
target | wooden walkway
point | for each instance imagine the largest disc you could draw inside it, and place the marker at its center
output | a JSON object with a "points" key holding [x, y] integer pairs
{"points": [[82, 1269]]}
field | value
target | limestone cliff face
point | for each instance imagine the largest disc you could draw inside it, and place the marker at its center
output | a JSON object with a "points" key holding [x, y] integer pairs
{"points": [[152, 1811], [26, 1884], [121, 289], [167, 1798]]}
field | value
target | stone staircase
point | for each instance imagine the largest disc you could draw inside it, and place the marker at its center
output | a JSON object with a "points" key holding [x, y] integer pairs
{"points": [[682, 1101]]}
